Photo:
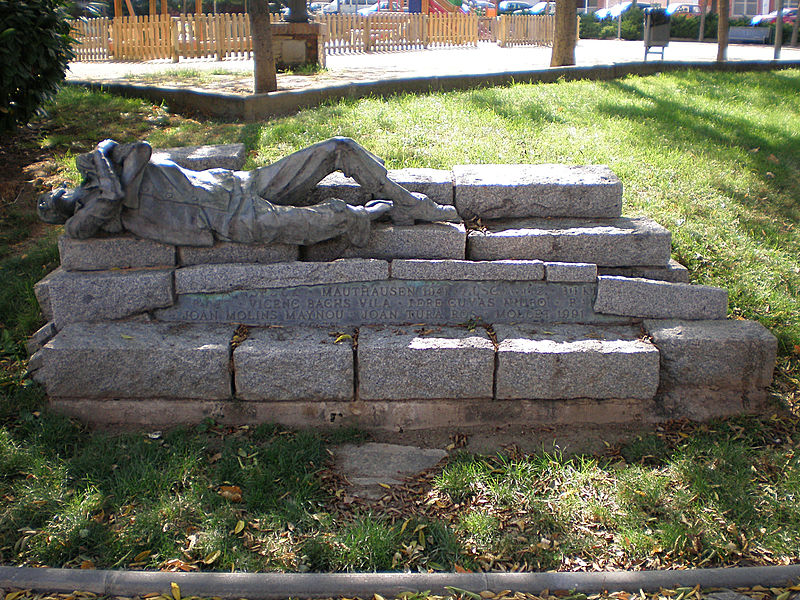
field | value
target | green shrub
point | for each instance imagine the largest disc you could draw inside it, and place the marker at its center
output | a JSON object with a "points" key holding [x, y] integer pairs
{"points": [[35, 47]]}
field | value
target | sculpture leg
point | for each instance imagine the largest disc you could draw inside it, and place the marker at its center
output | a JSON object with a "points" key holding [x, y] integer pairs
{"points": [[291, 180]]}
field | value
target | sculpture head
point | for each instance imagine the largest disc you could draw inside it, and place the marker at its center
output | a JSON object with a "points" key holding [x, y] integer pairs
{"points": [[59, 205]]}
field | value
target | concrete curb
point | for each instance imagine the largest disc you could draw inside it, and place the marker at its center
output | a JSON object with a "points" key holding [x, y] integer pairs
{"points": [[262, 106], [269, 586]]}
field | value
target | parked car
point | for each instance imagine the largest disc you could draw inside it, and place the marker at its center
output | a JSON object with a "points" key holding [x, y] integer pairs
{"points": [[789, 15], [509, 6], [619, 9], [690, 10], [544, 8]]}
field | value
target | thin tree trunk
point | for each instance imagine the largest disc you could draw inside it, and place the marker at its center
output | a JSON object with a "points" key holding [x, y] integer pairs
{"points": [[778, 30], [722, 30], [793, 41], [564, 42], [702, 33], [265, 79]]}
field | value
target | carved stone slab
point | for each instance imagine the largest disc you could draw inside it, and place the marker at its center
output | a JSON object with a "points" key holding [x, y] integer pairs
{"points": [[393, 302]]}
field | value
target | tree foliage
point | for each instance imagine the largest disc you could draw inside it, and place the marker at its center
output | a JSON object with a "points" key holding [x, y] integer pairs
{"points": [[35, 47]]}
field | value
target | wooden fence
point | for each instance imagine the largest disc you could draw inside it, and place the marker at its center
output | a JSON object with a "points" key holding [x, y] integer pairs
{"points": [[228, 35]]}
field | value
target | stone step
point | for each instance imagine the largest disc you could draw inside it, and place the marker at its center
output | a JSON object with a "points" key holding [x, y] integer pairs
{"points": [[620, 242], [521, 191]]}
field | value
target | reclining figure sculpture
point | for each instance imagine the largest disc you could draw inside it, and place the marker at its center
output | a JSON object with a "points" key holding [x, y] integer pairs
{"points": [[124, 190]]}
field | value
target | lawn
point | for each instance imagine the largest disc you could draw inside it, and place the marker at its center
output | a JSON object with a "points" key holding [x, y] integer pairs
{"points": [[713, 157]]}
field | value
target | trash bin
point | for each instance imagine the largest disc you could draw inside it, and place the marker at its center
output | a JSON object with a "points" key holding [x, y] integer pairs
{"points": [[656, 31]]}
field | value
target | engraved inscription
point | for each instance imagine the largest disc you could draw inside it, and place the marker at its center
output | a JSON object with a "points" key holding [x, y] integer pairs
{"points": [[393, 302]]}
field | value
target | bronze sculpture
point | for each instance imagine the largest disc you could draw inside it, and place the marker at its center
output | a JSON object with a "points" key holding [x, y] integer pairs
{"points": [[123, 190]]}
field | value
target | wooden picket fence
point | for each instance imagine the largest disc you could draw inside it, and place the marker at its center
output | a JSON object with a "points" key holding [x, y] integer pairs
{"points": [[387, 32], [518, 30], [228, 35]]}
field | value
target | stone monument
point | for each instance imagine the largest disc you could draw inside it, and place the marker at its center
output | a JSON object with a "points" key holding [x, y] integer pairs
{"points": [[547, 308]]}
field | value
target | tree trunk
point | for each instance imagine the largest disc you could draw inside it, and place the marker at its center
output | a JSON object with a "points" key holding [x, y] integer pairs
{"points": [[793, 41], [722, 30], [566, 29], [702, 33], [264, 76], [778, 30]]}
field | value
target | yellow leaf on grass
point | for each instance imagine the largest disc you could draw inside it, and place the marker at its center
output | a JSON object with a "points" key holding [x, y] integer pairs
{"points": [[176, 590], [14, 595], [87, 564], [212, 557], [239, 528], [141, 556], [231, 492]]}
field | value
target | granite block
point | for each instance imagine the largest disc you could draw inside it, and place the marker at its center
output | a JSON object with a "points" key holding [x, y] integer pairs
{"points": [[720, 353], [42, 335], [200, 158], [397, 363], [521, 191], [229, 252], [574, 361], [137, 360], [467, 270], [226, 278], [609, 242], [674, 272], [116, 252], [570, 272], [435, 183], [41, 289], [424, 240], [106, 295], [294, 363], [649, 299]]}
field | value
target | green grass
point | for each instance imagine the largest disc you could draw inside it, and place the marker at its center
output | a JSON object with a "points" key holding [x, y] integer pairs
{"points": [[713, 157]]}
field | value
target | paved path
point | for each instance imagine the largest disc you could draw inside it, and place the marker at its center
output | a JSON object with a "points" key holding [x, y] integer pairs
{"points": [[488, 57]]}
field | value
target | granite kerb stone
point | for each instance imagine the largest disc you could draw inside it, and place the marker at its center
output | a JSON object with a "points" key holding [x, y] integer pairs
{"points": [[137, 360], [728, 354], [386, 241], [522, 191], [231, 252], [674, 272], [649, 299], [437, 184], [399, 363], [113, 252], [294, 363], [104, 295], [563, 272], [605, 242], [200, 158], [218, 278], [466, 270], [575, 361]]}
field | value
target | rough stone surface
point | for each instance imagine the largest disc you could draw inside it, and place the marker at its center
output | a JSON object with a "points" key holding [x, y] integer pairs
{"points": [[424, 240], [674, 272], [701, 403], [225, 278], [42, 335], [574, 361], [396, 363], [570, 272], [721, 353], [610, 242], [366, 466], [435, 183], [521, 191], [107, 295], [137, 360], [293, 363], [648, 299], [200, 158], [230, 252], [117, 252], [467, 270], [41, 290]]}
